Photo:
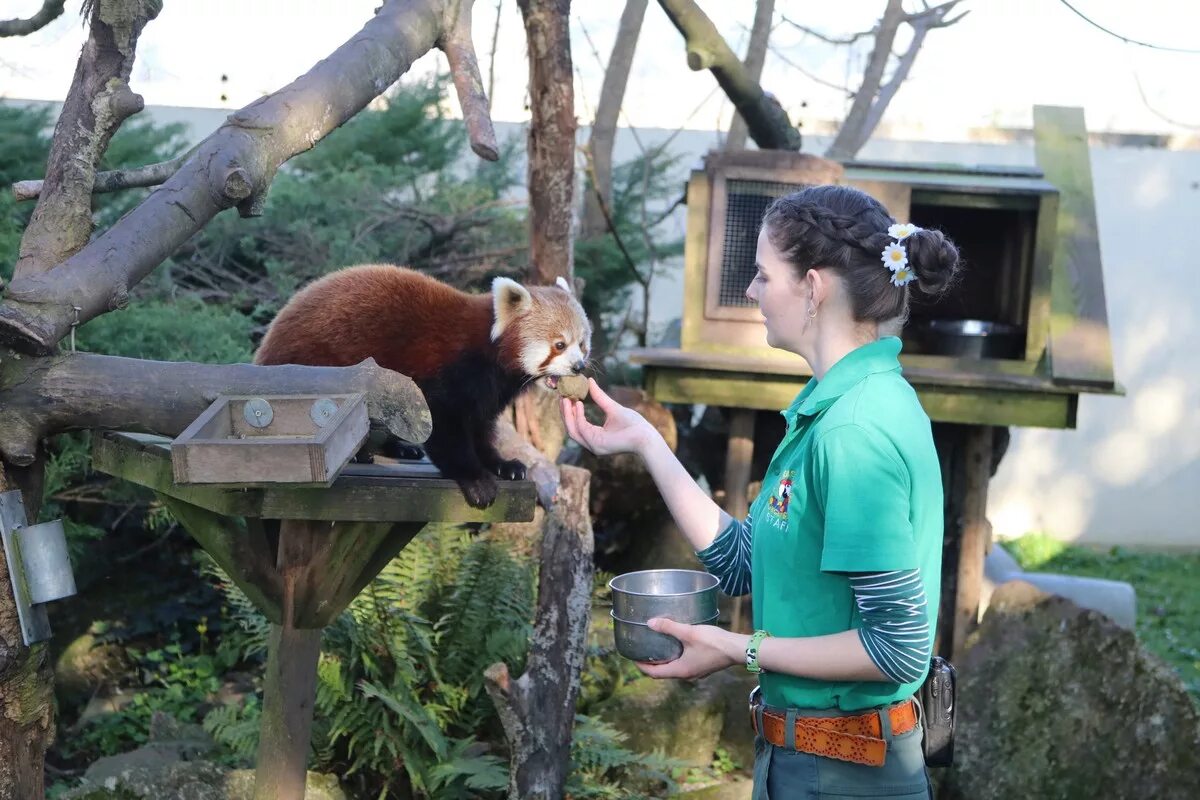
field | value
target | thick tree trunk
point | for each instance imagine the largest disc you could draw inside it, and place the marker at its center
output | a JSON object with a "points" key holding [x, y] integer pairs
{"points": [[608, 110], [551, 138], [81, 391], [538, 709], [706, 49], [98, 102], [26, 689], [234, 167], [756, 56]]}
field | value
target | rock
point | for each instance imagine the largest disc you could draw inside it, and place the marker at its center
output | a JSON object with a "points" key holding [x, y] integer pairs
{"points": [[1056, 701], [83, 667], [192, 780], [687, 720], [1115, 599]]}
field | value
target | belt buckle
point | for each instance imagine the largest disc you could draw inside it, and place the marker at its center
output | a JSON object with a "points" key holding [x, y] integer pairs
{"points": [[755, 694]]}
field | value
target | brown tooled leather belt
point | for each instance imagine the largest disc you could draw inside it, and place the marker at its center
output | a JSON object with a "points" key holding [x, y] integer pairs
{"points": [[857, 738]]}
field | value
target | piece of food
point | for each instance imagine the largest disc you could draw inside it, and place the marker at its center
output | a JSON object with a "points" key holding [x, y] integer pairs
{"points": [[573, 386]]}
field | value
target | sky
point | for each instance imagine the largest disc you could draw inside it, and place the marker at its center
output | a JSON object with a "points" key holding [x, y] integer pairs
{"points": [[987, 71]]}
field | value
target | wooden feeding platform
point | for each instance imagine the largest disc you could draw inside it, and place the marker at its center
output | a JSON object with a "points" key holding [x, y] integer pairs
{"points": [[300, 552], [1014, 343], [289, 439]]}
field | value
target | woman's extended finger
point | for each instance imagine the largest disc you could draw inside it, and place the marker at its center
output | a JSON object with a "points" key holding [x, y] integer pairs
{"points": [[568, 413], [606, 403]]}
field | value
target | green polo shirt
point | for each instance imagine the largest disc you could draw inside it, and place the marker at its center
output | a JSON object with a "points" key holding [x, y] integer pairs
{"points": [[855, 486]]}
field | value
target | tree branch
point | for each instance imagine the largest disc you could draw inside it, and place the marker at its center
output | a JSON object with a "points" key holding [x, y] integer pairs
{"points": [[706, 49], [839, 40], [114, 180], [552, 126], [853, 133], [537, 709], [81, 391], [50, 11], [608, 110], [98, 101], [756, 57], [232, 167], [872, 99], [456, 43]]}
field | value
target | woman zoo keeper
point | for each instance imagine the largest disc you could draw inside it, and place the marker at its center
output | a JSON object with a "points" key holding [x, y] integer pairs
{"points": [[842, 549]]}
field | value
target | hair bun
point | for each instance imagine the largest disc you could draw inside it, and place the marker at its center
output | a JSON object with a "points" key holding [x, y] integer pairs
{"points": [[934, 259]]}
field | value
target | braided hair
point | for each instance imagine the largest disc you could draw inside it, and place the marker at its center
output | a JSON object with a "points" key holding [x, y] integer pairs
{"points": [[845, 229]]}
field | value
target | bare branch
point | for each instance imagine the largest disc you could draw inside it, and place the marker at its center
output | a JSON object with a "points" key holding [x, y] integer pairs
{"points": [[50, 11], [608, 110], [756, 56], [456, 43], [851, 39], [935, 16], [706, 49], [232, 167], [113, 180], [531, 707], [853, 133], [98, 102], [492, 55], [811, 76], [78, 391]]}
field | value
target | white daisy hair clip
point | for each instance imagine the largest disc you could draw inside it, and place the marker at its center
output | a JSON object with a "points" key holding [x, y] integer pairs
{"points": [[895, 257]]}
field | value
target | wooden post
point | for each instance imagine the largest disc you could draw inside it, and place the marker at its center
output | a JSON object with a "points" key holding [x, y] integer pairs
{"points": [[737, 478], [975, 533], [965, 456], [289, 690]]}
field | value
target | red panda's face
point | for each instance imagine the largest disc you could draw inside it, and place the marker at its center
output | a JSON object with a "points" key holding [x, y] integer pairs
{"points": [[546, 329]]}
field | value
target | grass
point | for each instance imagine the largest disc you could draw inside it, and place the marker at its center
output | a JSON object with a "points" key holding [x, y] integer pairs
{"points": [[1167, 586]]}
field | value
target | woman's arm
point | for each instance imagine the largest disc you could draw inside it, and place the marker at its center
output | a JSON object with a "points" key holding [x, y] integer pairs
{"points": [[626, 431], [707, 648]]}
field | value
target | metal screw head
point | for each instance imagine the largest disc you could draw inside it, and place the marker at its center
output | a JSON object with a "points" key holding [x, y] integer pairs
{"points": [[322, 411], [258, 413]]}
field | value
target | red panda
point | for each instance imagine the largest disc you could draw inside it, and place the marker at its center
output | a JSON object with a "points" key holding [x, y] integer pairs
{"points": [[470, 354]]}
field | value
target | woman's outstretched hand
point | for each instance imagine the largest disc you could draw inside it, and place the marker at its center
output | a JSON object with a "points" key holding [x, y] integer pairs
{"points": [[624, 430]]}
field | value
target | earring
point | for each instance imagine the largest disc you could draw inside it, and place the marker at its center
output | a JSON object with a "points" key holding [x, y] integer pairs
{"points": [[812, 313]]}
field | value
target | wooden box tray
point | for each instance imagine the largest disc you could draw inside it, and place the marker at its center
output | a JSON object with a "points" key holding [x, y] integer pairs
{"points": [[272, 439]]}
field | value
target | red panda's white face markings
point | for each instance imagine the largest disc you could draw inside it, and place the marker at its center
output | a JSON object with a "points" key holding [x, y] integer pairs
{"points": [[551, 332]]}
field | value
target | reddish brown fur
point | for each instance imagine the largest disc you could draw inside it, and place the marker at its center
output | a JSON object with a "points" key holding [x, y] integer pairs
{"points": [[376, 311]]}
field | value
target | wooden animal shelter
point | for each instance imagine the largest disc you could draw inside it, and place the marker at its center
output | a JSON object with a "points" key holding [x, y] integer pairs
{"points": [[1014, 343]]}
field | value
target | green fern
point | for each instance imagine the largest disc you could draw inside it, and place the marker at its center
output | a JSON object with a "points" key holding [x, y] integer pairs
{"points": [[236, 727]]}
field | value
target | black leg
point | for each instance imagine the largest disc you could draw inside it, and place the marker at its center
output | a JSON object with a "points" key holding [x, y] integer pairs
{"points": [[510, 469], [451, 448]]}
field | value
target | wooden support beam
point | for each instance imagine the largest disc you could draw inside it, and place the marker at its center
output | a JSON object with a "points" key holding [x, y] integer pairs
{"points": [[975, 533], [289, 691]]}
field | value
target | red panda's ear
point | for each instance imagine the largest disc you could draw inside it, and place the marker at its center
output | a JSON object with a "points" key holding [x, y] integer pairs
{"points": [[509, 301], [561, 283]]}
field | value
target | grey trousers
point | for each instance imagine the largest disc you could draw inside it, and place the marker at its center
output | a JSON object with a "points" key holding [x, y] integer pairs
{"points": [[783, 774]]}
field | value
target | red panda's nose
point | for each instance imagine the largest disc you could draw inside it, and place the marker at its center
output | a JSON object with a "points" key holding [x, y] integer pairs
{"points": [[577, 367]]}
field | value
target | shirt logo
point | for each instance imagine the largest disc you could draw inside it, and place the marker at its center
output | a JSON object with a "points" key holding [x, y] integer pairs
{"points": [[778, 503]]}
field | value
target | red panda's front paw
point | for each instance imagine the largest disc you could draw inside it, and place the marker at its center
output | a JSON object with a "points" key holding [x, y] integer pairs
{"points": [[511, 470], [480, 492]]}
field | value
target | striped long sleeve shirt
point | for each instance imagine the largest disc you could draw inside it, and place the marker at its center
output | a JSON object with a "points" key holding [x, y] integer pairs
{"points": [[892, 605]]}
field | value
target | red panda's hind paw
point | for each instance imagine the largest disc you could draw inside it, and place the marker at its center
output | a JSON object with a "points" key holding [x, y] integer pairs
{"points": [[511, 470], [479, 492]]}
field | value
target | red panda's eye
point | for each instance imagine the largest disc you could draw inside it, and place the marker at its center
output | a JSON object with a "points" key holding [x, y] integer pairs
{"points": [[560, 346]]}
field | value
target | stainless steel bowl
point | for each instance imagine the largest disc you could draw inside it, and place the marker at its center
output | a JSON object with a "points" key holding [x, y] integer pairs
{"points": [[637, 642], [683, 595], [973, 338]]}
